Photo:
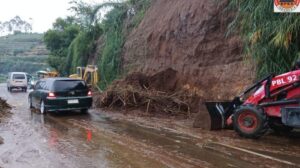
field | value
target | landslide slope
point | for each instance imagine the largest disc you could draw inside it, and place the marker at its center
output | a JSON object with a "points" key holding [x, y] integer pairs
{"points": [[179, 57], [190, 38]]}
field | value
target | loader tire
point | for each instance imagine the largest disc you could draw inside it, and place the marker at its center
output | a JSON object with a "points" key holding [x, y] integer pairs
{"points": [[250, 121]]}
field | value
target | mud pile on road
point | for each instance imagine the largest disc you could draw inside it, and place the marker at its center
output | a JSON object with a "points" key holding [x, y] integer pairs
{"points": [[4, 112], [4, 107], [155, 95]]}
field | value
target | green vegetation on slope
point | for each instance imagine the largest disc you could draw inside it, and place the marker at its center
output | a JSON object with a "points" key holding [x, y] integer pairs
{"points": [[272, 39], [58, 40], [72, 49], [114, 40], [114, 35], [141, 7], [2, 78], [79, 50]]}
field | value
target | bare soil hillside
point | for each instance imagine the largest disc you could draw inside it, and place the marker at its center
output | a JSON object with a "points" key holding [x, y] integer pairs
{"points": [[188, 39]]}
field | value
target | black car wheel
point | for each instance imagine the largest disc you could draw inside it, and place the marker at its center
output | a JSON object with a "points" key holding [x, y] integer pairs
{"points": [[250, 121], [30, 102], [42, 107], [84, 111]]}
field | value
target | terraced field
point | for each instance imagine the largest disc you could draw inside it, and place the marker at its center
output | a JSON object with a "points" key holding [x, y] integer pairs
{"points": [[22, 52]]}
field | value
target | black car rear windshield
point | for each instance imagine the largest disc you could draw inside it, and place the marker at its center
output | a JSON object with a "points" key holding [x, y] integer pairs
{"points": [[69, 85], [18, 76]]}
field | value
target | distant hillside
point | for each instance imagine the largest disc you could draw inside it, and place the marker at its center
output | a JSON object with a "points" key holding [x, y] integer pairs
{"points": [[18, 44], [22, 52]]}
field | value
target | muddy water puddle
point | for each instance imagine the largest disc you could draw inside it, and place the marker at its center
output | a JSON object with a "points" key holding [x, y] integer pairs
{"points": [[184, 147], [77, 135]]}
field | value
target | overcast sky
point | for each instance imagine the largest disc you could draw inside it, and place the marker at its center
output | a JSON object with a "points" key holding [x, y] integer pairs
{"points": [[42, 12]]}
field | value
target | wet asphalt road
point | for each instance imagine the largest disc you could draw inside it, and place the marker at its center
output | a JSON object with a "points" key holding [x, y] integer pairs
{"points": [[95, 139]]}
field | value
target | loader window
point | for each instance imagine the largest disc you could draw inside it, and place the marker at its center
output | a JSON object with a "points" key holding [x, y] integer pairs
{"points": [[89, 78], [78, 72]]}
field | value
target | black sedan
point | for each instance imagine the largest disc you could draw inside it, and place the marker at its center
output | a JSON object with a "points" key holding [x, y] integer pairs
{"points": [[60, 94]]}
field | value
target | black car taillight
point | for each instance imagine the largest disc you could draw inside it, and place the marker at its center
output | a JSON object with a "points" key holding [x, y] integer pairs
{"points": [[90, 93], [51, 95]]}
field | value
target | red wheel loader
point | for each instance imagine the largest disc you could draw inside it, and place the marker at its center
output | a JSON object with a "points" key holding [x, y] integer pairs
{"points": [[273, 102]]}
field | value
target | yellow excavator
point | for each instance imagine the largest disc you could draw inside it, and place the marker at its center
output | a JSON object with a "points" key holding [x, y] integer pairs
{"points": [[89, 74]]}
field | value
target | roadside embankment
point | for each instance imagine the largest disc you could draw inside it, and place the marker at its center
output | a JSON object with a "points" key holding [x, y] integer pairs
{"points": [[4, 112], [4, 107]]}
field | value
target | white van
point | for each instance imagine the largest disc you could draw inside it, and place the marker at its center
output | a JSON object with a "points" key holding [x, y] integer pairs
{"points": [[17, 80]]}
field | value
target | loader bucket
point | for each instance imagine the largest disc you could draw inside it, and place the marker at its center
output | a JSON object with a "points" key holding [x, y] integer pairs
{"points": [[218, 112]]}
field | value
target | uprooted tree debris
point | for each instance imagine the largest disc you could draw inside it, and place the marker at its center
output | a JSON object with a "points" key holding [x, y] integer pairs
{"points": [[155, 94]]}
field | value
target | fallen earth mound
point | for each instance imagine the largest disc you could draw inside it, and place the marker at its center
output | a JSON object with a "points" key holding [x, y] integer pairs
{"points": [[4, 107], [157, 94]]}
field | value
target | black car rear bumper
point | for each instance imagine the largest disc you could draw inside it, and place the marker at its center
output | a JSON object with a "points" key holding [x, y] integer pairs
{"points": [[63, 103]]}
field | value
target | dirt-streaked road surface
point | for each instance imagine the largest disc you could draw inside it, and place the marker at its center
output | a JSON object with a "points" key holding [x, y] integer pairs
{"points": [[100, 139]]}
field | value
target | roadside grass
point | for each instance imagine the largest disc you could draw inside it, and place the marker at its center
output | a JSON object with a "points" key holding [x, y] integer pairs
{"points": [[115, 35], [2, 78]]}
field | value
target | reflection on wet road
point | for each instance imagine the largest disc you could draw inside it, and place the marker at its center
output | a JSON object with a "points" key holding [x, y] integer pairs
{"points": [[71, 139]]}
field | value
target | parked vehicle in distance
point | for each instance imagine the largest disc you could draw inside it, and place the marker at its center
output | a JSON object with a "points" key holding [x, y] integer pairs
{"points": [[46, 74], [31, 81], [60, 94], [17, 80]]}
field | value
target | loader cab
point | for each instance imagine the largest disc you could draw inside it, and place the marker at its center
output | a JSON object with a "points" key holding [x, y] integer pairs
{"points": [[89, 74], [41, 74], [80, 72]]}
